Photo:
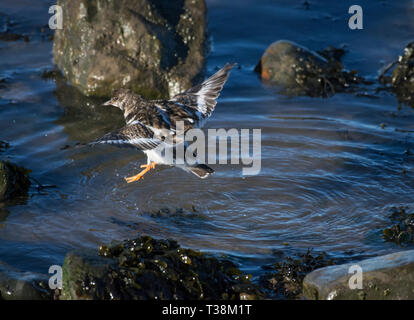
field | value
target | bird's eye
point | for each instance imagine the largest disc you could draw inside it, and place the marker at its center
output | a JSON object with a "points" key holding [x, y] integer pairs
{"points": [[116, 98]]}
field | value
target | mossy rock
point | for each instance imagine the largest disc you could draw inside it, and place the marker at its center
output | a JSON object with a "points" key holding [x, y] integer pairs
{"points": [[145, 268], [14, 181]]}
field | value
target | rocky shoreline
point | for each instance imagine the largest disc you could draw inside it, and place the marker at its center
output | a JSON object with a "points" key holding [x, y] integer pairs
{"points": [[146, 268]]}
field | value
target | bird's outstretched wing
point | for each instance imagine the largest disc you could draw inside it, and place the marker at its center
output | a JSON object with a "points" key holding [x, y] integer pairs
{"points": [[203, 97], [131, 136]]}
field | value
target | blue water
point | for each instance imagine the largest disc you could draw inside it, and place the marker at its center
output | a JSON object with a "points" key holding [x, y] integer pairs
{"points": [[330, 172]]}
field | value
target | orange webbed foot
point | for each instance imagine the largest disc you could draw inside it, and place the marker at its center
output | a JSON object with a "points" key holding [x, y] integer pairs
{"points": [[140, 175]]}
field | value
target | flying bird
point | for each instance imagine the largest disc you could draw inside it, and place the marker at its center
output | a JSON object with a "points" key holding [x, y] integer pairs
{"points": [[151, 124]]}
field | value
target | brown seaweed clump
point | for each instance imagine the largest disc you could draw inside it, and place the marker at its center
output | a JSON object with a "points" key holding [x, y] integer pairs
{"points": [[402, 230], [284, 279], [146, 268]]}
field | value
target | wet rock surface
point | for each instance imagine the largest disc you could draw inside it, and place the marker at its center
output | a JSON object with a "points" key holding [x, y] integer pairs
{"points": [[284, 278], [14, 181], [21, 286], [154, 47], [402, 230], [402, 79], [146, 268], [300, 71], [389, 277]]}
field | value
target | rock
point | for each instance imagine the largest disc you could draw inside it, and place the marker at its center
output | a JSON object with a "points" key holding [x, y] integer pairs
{"points": [[14, 181], [402, 230], [154, 47], [22, 286], [402, 79], [299, 70], [146, 268], [284, 278], [389, 277]]}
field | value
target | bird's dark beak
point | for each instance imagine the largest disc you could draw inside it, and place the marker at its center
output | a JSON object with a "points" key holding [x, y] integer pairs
{"points": [[108, 103]]}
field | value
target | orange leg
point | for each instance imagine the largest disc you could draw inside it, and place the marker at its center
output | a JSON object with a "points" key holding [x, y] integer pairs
{"points": [[140, 175]]}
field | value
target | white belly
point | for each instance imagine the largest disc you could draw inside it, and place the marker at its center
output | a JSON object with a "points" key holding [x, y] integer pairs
{"points": [[165, 154]]}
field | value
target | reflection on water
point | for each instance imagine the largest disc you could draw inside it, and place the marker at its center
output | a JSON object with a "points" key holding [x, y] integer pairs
{"points": [[330, 171], [84, 119]]}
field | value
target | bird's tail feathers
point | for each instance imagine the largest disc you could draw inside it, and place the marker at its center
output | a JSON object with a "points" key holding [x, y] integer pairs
{"points": [[201, 170]]}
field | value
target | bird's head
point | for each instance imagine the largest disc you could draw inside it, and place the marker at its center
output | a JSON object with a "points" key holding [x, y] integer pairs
{"points": [[121, 98]]}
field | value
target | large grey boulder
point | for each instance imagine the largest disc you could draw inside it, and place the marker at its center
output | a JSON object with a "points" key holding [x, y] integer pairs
{"points": [[154, 47], [389, 277]]}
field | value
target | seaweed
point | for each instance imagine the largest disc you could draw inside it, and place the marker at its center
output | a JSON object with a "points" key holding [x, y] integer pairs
{"points": [[284, 279], [402, 230], [146, 268]]}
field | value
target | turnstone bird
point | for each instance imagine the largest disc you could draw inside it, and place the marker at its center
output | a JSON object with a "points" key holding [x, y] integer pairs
{"points": [[152, 123]]}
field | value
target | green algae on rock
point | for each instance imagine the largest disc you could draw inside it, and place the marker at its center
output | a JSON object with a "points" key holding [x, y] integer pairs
{"points": [[284, 279], [153, 47], [145, 268], [300, 71], [389, 277], [14, 181], [402, 230]]}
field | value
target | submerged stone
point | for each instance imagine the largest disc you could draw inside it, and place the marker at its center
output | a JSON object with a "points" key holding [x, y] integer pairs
{"points": [[299, 70], [153, 47], [389, 277], [14, 181], [145, 268]]}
